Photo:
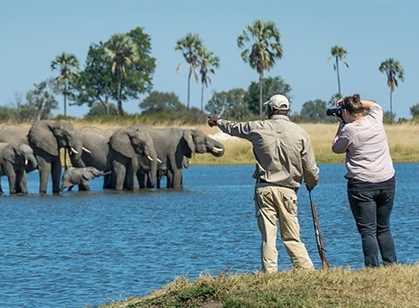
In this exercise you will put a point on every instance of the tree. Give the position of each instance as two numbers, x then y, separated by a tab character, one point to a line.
100	109
272	85
94	84
190	46
414	110
39	102
156	101
339	54
394	71
68	67
314	111
117	70
208	62
122	53
232	103
261	46
389	117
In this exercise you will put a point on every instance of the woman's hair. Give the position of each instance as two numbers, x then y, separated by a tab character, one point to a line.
353	104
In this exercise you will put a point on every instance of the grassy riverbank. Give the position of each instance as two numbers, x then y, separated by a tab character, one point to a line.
396	286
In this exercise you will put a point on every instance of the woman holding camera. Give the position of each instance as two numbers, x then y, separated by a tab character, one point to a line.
370	174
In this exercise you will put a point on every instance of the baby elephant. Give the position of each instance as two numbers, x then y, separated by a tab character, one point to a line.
15	160
80	176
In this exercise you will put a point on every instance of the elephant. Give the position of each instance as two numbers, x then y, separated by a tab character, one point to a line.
46	139
132	152
174	146
15	134
80	176
93	151
14	158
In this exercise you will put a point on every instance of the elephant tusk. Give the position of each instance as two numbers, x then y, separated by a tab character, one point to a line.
217	150
86	150
26	162
74	150
150	158
159	161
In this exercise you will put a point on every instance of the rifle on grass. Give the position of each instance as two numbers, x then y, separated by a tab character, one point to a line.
319	239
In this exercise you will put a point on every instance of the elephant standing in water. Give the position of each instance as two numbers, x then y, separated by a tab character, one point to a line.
93	151
46	139
174	146
14	159
131	152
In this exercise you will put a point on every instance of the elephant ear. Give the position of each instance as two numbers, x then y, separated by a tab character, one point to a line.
121	143
9	153
40	136
189	143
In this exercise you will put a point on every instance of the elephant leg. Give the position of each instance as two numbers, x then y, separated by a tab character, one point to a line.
107	181
44	169
84	186
177	179
118	171
142	179
158	179
129	178
11	176
19	188
131	174
56	176
24	183
169	179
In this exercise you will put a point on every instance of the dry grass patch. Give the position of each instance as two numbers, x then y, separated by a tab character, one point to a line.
396	286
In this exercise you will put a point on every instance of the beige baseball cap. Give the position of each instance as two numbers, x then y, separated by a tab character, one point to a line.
279	102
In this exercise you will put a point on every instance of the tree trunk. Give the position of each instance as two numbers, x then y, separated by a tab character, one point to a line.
391	105
202	98
260	95
120	109
338	74
189	87
65	98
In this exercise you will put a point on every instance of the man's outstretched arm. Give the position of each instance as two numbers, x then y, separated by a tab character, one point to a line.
236	129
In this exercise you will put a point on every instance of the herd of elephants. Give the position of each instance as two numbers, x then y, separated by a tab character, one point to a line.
128	158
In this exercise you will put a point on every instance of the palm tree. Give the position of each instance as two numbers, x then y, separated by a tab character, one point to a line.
394	71
261	46
339	53
190	45
68	67
208	62
122	53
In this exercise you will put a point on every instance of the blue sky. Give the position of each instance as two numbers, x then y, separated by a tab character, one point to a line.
34	32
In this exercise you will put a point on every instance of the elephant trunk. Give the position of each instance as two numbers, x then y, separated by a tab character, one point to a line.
31	162
152	177
216	148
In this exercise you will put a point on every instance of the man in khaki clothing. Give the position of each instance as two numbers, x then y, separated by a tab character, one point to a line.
284	157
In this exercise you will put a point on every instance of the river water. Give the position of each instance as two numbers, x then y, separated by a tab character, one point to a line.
88	248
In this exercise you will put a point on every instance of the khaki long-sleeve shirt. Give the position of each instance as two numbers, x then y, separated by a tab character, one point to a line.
283	151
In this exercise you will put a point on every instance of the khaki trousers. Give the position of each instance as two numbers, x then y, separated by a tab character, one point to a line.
278	206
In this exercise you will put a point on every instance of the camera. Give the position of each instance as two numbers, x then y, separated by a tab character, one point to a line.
336	112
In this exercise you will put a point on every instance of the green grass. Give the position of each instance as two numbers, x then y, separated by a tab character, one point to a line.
396	286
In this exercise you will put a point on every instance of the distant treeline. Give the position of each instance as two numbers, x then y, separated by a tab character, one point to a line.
121	69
